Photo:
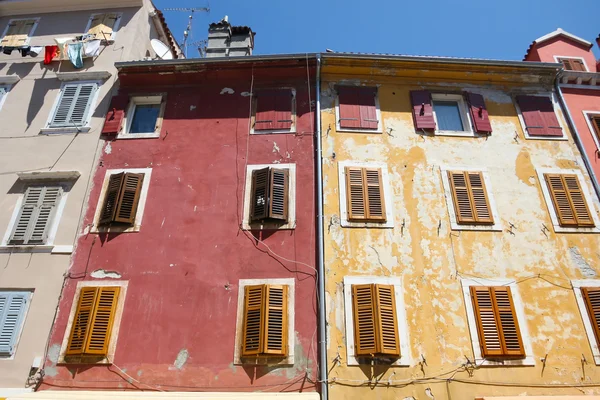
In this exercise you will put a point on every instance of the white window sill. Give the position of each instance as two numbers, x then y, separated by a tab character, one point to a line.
268	226
527	361
40	248
353	224
152	135
464	227
267	132
459	133
64	130
284	361
48	175
528	137
83	76
115	229
359	130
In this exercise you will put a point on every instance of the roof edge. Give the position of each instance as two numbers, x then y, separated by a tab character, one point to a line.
559	32
214	60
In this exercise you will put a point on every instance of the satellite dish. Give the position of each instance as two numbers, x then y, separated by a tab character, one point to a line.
162	50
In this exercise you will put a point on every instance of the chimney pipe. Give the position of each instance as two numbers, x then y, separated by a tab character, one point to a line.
225	40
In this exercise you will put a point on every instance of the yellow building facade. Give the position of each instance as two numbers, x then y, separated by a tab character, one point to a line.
488	281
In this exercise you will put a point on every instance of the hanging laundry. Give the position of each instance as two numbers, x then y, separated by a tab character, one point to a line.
50	53
75	51
62	46
91	48
35	51
8	50
24	50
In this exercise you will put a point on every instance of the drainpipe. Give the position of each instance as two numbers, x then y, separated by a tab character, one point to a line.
320	250
576	137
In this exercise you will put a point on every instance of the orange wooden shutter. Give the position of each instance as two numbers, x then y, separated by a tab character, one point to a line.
355	194
278	194
111	198
129	197
596	124
479	198
82	321
259	194
471	202
253	334
275	322
592	303
364	194
102	321
365	336
374	191
386	322
569	200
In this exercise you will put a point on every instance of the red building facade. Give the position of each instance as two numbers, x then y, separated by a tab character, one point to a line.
175	243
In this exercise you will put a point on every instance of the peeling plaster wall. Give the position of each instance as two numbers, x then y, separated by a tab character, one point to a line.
183	267
431	258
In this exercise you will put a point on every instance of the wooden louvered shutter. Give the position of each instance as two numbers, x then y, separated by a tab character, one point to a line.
365	335
275	320
82	321
12	312
591	296
74	105
355	194
254	316
470	198
36	214
129	197
422	109
479	198
260	194
26	216
596	125
102	321
278	194
479	113
111	199
578	65
386	320
568	200
374	194
497	325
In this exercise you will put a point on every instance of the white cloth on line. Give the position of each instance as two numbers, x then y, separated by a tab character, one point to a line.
91	48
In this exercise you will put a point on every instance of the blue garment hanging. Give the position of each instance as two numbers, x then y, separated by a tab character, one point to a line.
75	52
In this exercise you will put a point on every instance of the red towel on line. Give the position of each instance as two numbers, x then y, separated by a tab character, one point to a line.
50	53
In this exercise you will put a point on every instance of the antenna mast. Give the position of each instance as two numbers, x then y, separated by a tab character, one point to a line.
188	29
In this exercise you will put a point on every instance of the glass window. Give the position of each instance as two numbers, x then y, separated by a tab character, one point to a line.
448	115
144	118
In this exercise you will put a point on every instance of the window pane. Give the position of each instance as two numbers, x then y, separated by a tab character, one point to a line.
448	115
144	118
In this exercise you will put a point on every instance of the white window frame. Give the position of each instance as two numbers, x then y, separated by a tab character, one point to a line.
60	207
291	224
587	114
23	319
113	36
134	101
237	354
557	59
31	32
556	106
403	335
587	323
519	310
387	195
6	91
465	115
267	131
338	128
590	200
96	228
48	129
114	334
455	226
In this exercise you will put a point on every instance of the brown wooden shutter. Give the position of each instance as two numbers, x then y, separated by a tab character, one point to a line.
260	194
275	322
102	321
278	194
365	335
129	198
578	65
479	113
374	191
273	110
386	322
568	200
539	116
596	125
111	198
497	325
254	316
364	193
422	109
591	297
471	202
115	115
357	107
479	198
81	322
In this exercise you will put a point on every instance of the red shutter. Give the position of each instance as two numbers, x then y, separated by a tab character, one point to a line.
273	110
422	106
357	107
115	115
539	116
479	114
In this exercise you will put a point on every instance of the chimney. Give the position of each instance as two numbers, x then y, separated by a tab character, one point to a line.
225	40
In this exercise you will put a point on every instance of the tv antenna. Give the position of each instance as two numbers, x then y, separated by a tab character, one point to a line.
201	46
188	29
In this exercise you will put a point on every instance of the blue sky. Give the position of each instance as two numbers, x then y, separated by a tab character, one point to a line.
500	29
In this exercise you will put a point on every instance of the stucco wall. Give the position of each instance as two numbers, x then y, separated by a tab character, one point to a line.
431	259
183	267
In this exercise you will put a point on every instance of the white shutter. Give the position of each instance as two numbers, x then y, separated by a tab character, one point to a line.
12	311
35	217
74	105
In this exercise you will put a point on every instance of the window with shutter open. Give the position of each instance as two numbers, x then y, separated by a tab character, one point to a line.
357	107
18	32
36	215
596	126
93	322
103	25
12	311
269	194
375	321
121	198
470	198
569	200
265	324
364	194
591	297
273	110
572	64
74	105
497	325
539	116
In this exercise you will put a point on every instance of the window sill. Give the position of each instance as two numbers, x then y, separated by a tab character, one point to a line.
465	227
84	360
359	130
529	137
268	226
522	362
83	76
249	361
115	229
576	229
459	133
40	248
267	132
64	130
153	135
353	224
358	361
